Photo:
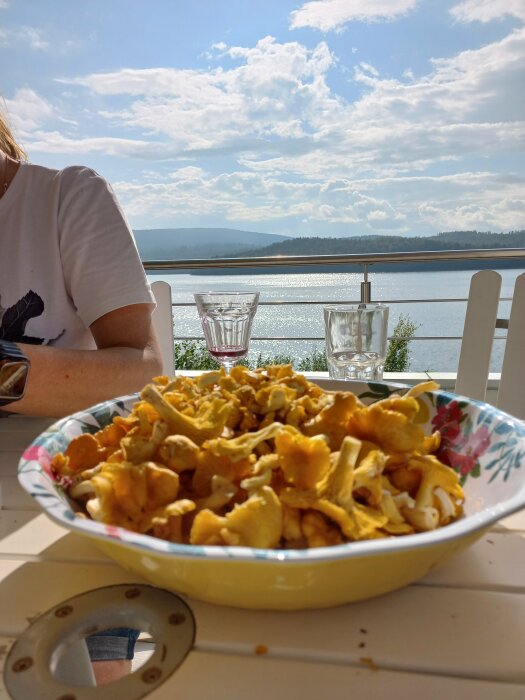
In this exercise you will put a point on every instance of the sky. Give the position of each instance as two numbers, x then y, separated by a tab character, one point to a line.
318	118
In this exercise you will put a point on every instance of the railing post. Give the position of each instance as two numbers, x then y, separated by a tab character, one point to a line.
366	287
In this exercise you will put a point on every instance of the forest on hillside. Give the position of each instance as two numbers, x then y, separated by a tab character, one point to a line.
451	240
366	245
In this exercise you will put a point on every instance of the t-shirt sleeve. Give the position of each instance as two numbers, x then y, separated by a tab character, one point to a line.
101	264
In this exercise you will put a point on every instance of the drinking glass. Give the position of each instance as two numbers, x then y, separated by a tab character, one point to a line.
226	319
356	337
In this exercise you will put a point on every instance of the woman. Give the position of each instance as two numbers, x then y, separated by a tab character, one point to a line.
75	301
73	293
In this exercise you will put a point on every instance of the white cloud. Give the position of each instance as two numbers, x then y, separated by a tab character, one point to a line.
274	111
290	149
487	10
28	111
272	95
328	15
191	172
483	83
29	114
28	36
56	142
486	201
505	214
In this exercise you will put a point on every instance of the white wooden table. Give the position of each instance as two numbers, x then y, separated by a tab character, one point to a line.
459	633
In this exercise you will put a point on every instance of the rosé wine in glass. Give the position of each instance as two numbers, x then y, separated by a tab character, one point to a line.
226	319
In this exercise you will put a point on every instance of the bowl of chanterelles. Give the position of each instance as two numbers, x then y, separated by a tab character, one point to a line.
264	489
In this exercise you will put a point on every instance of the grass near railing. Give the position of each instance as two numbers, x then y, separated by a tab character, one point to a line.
397	354
192	354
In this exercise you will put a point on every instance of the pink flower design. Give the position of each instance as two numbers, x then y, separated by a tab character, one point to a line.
464	455
113	531
44	459
31	454
39	454
447	420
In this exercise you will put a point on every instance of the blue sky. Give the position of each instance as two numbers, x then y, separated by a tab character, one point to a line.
326	118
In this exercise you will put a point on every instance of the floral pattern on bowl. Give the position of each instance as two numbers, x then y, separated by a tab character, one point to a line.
486	447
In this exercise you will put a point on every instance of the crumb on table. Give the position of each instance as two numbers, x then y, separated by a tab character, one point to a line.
369	661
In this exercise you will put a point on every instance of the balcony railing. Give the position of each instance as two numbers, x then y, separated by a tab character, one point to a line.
365	261
350	258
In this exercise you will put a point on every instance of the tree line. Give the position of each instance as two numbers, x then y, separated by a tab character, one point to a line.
450	240
366	245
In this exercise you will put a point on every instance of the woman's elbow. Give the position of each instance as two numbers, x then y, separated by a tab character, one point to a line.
155	364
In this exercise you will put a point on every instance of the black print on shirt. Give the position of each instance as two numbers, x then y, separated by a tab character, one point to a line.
13	320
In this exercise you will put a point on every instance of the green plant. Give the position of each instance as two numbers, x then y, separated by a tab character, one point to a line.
190	354
279	359
315	363
397	356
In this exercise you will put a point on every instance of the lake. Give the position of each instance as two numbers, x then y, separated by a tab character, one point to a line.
444	318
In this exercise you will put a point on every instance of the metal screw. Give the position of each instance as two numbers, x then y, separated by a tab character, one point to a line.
22	664
132	593
64	611
151	675
176	618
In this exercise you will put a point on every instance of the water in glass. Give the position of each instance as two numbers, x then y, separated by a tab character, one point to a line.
356	336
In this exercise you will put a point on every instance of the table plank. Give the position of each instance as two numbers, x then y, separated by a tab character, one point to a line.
13	496
23	425
30	588
489	564
227	676
513	522
431	630
260	678
9	462
32	535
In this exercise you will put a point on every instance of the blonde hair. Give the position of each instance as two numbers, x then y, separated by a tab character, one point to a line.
8	145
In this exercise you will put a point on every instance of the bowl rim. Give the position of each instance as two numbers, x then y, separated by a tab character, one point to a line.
116	535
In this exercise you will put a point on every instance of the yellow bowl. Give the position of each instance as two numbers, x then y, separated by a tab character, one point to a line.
484	444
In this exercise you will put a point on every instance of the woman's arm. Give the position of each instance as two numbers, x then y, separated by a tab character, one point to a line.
62	381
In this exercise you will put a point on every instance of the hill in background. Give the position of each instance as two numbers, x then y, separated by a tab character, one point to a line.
366	245
452	240
187	243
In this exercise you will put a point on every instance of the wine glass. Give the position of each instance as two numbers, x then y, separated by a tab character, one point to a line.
226	319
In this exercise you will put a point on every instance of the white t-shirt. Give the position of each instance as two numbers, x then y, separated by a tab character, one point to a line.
67	257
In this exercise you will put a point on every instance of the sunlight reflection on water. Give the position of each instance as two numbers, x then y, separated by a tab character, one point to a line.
434	318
